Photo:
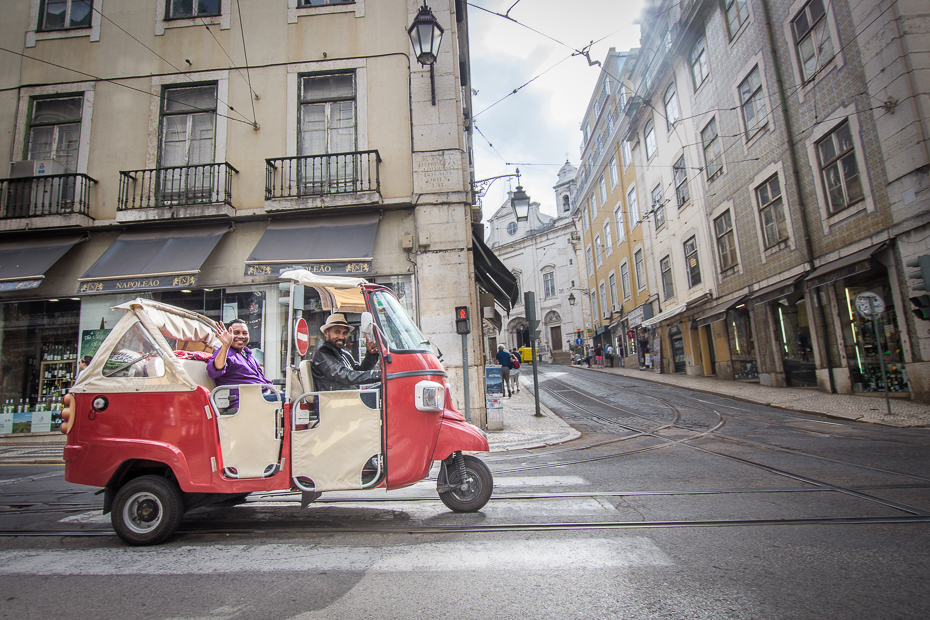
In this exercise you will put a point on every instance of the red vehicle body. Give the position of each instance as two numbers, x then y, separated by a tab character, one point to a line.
159	451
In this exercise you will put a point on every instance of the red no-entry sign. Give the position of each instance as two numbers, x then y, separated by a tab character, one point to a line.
302	336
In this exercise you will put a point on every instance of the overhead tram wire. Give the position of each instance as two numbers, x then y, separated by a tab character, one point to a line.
168	62
116	82
248	74
231	61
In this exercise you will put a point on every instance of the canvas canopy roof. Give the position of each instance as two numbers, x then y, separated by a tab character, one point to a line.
342	293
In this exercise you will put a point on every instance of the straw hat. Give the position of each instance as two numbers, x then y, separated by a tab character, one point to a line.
335	319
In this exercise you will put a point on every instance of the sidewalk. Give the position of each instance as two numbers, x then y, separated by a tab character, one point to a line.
861	408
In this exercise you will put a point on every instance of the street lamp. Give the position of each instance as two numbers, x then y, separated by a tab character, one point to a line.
426	35
519	200
571	299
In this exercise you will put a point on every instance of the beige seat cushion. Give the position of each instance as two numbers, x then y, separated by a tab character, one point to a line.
306	376
198	373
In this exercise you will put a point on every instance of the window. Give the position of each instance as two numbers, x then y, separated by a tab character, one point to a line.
602	190
621	97
614	173
598	253
752	102
584	220
772	211
621	230
327	114
713	154
737	14
135	355
187	140
587	132
185	9
625	280
592	208
658	207
612	284
55	130
65	14
594	308
839	169
640	269
665	266
726	244
549	284
634	208
306	3
682	194
566	204
700	68
603	298
671	105
608	240
650	134
626	153
812	38
512	228
691	260
590	258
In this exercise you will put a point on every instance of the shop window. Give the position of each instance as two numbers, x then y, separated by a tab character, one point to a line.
135	355
640	263
671	106
650	137
55	130
752	102
679	362
549	284
668	287
772	212
865	342
839	170
726	243
737	14
65	14
680	172
186	9
658	207
700	67
742	346
691	260
625	281
812	39
713	153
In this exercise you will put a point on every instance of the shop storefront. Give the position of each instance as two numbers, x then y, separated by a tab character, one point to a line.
679	364
785	306
638	341
742	345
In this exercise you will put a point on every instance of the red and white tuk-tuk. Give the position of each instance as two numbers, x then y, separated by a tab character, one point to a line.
145	422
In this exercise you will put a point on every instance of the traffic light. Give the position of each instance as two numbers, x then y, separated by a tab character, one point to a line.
920	281
462	320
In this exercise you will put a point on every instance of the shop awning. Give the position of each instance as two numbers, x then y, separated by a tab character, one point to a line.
23	263
493	276
152	260
336	245
857	262
665	315
776	291
718	312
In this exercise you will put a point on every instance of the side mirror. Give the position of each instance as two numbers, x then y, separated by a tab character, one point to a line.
367	325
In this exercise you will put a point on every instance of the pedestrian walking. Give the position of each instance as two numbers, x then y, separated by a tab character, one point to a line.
503	358
599	355
610	355
514	371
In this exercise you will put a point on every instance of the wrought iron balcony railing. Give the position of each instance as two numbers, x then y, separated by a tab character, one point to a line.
53	194
321	175
177	186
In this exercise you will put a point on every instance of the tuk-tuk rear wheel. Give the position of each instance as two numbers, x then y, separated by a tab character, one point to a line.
479	484
147	510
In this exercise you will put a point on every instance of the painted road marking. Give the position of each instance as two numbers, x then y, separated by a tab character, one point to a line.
512	555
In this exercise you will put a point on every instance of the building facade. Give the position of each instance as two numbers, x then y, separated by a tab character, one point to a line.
194	159
803	129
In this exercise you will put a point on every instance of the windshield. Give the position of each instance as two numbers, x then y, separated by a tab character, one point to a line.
400	331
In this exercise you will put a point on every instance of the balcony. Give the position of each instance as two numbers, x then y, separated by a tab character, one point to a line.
204	190
47	201
321	181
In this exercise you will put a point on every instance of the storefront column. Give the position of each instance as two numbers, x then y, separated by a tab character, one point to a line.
704	344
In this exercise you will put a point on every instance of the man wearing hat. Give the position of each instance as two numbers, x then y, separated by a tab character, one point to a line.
333	367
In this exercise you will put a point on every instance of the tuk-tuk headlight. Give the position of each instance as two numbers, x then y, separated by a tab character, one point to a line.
430	396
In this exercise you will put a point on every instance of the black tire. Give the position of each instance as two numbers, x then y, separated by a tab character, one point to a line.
147	510
479	484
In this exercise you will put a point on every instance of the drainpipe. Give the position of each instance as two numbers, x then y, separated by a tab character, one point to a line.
792	155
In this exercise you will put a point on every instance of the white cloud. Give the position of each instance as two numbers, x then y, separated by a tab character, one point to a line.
539	124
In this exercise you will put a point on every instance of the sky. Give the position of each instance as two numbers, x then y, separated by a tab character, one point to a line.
537	127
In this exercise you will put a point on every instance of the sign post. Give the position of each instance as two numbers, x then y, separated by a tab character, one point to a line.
529	302
302	336
871	306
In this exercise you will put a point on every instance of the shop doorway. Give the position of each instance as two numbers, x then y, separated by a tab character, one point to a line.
794	334
678	349
711	353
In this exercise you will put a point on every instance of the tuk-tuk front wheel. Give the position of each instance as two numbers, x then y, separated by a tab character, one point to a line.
147	510
472	493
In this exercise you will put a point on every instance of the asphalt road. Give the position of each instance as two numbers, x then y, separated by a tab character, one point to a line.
670	505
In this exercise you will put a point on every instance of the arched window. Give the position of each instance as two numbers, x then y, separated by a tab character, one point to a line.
566	203
650	134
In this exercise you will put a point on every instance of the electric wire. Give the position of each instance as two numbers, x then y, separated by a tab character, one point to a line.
248	74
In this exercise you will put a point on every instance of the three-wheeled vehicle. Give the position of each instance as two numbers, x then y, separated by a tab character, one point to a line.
145	421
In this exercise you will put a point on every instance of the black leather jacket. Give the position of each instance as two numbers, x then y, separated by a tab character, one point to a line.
334	369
